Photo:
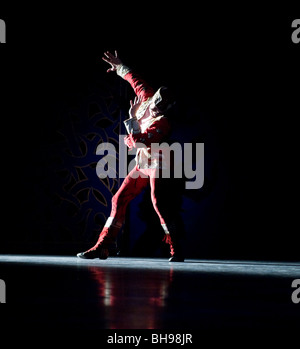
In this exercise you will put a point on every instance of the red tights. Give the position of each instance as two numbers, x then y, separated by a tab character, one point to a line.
132	186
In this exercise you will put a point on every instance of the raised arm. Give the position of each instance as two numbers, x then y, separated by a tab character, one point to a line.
114	61
141	88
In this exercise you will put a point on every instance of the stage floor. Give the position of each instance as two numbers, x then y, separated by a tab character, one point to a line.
143	293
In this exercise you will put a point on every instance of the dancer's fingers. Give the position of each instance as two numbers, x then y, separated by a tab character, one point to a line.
110	55
105	60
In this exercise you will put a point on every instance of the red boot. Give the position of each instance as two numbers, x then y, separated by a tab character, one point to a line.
107	239
175	249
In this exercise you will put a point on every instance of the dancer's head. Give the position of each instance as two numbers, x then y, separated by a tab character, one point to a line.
162	101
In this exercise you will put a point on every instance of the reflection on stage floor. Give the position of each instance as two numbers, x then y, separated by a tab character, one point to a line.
144	293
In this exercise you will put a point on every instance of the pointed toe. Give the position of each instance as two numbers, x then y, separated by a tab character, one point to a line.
176	259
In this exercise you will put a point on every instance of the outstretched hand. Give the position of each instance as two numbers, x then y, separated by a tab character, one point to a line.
134	106
113	60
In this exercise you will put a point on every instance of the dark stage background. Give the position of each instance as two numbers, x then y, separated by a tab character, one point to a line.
236	84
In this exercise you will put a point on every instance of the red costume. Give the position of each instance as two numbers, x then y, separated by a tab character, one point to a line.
141	134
